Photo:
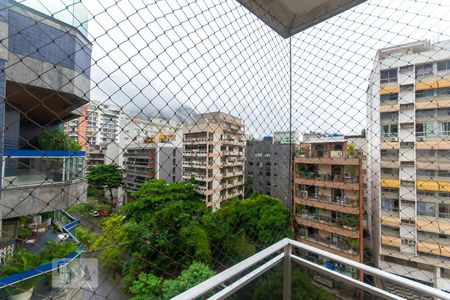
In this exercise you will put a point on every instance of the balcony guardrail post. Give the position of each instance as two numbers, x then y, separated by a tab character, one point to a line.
287	272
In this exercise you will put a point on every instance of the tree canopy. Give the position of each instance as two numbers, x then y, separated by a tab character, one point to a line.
105	176
167	240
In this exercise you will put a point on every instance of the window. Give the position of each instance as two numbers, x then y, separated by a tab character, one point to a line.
423	70
425	172
258	154
425	93
389	171
445	128
389	116
425	129
444	210
425	193
266	154
425	153
389	130
443	91
389	97
444	173
443	65
443	112
389	205
389	75
426	113
444	194
426	208
444	153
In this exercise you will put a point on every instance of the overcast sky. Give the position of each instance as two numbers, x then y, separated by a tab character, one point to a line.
215	55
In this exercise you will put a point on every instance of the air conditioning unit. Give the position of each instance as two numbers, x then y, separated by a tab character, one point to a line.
393	139
408	241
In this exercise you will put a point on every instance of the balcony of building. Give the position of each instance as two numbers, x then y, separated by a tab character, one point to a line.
340	204
332	157
37	181
327	180
328	269
332	222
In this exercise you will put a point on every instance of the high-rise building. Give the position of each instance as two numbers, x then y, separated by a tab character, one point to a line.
98	124
328	195
267	168
145	161
213	155
409	160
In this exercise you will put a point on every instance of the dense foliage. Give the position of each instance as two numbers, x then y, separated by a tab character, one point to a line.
149	286
168	231
57	140
105	177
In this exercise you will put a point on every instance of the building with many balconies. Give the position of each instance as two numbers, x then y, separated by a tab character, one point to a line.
328	195
213	156
409	160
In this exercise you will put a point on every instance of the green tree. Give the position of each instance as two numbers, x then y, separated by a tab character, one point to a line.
57	140
110	245
150	286
242	227
155	194
105	177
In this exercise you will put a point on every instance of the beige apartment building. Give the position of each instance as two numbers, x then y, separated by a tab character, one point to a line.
213	155
409	161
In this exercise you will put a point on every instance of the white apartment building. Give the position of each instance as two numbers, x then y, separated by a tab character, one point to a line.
102	123
409	161
213	155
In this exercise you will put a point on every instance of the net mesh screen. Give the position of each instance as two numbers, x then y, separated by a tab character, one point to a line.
148	145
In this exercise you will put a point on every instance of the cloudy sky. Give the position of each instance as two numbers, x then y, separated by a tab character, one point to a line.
153	56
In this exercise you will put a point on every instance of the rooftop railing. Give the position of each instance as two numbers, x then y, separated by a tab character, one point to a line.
290	253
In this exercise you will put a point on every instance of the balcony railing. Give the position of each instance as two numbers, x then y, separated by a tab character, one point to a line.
349	225
438	133
328	154
326	199
36	167
288	251
327	177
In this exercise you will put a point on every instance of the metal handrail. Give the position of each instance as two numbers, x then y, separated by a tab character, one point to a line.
283	252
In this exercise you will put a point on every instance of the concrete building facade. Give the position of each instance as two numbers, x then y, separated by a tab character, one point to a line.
213	156
268	168
328	195
143	162
409	160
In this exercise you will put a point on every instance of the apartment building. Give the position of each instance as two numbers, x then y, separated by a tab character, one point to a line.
328	195
146	161
138	130
267	168
98	124
213	155
409	160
